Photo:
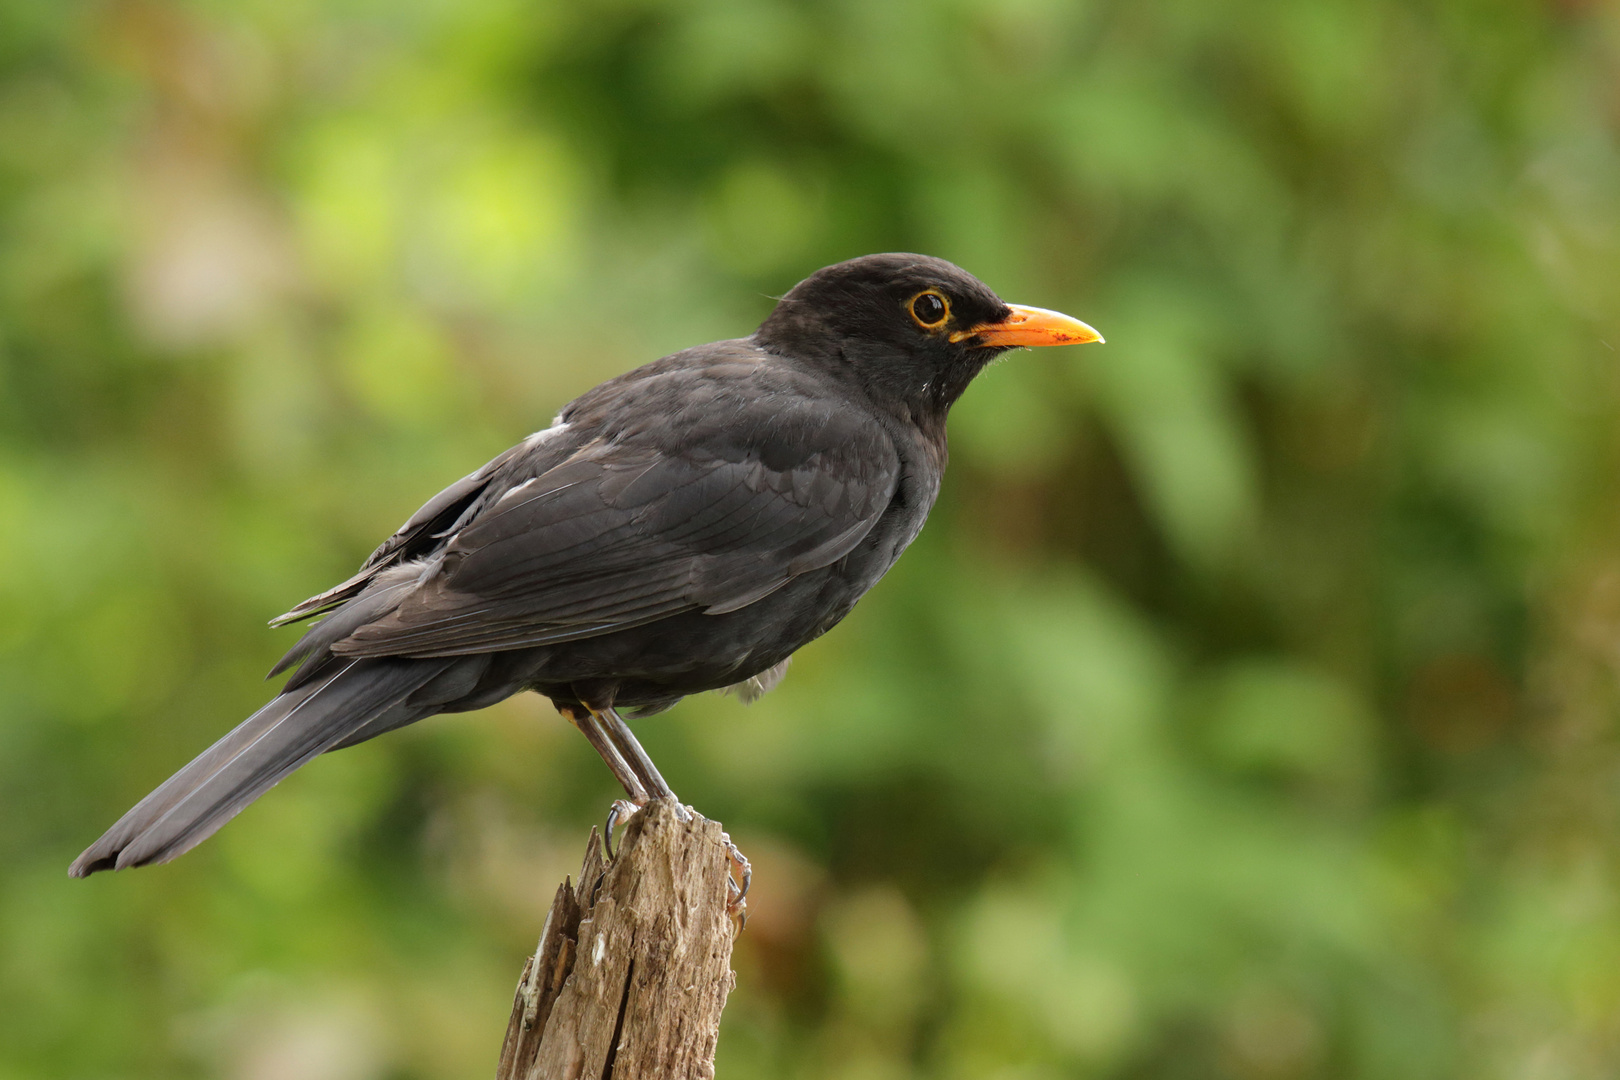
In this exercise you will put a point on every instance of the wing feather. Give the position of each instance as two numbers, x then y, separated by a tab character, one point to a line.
619	536
426	529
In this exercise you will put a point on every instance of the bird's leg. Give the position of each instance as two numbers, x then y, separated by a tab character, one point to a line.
591	726
659	788
626	743
625	739
596	732
642	781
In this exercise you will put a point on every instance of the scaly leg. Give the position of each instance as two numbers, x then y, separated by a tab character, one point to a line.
630	751
656	784
626	741
591	726
624	750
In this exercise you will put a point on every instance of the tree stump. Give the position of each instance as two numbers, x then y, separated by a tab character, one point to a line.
634	963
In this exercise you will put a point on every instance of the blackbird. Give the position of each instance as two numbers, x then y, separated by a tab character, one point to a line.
680	528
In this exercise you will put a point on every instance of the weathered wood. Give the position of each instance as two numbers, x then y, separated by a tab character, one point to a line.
634	963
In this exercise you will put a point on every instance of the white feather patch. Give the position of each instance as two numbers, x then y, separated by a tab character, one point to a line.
545	435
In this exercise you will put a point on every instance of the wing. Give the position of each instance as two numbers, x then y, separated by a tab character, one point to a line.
624	533
426	529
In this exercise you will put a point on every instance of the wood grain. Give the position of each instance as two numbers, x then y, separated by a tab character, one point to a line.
634	963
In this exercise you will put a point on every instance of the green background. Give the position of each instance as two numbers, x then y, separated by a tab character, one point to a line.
1247	709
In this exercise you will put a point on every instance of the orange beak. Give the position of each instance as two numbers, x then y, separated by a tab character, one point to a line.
1028	326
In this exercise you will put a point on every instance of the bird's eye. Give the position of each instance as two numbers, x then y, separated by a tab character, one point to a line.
929	309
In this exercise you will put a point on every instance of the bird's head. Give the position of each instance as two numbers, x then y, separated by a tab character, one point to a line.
915	330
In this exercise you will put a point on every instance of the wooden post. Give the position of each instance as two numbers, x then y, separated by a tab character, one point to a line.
634	963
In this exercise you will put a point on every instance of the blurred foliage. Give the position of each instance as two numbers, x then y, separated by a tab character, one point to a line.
1247	710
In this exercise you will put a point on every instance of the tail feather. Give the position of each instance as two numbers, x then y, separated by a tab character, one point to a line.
311	719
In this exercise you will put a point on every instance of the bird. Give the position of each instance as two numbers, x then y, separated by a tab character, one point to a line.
683	527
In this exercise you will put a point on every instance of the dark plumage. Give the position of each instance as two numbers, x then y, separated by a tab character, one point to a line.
683	527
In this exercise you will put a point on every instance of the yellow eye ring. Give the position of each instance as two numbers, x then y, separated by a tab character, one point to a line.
930	309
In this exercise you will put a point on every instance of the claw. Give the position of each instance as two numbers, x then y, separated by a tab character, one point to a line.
737	904
621	810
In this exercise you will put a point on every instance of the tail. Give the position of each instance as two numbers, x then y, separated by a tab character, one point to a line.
320	715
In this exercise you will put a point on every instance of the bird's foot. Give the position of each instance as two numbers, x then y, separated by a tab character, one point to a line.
737	886
740	873
621	810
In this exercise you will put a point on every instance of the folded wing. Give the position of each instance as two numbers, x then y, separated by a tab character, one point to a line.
621	535
421	534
